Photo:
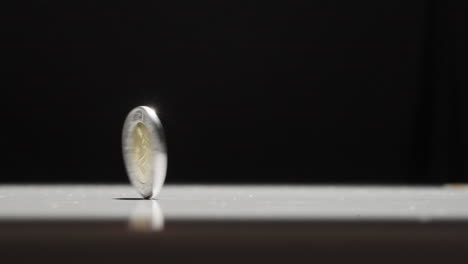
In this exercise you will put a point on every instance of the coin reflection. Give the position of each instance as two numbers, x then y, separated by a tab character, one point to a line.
147	216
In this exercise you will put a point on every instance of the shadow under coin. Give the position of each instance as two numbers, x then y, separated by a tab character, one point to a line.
131	199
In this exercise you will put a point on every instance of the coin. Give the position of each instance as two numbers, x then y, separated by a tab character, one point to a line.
144	151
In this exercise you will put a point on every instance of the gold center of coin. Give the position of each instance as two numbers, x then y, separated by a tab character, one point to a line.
143	156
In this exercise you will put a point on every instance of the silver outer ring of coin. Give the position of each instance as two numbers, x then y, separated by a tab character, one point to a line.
146	116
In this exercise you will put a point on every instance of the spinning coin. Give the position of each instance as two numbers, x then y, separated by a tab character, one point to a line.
144	151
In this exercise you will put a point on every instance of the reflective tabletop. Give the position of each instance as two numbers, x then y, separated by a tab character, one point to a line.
304	220
235	202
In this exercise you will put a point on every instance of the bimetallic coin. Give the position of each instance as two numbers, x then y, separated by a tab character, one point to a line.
144	151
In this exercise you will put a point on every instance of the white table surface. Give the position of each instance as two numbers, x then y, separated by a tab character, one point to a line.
234	202
233	224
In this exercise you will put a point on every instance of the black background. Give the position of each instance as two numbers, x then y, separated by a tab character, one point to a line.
323	91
